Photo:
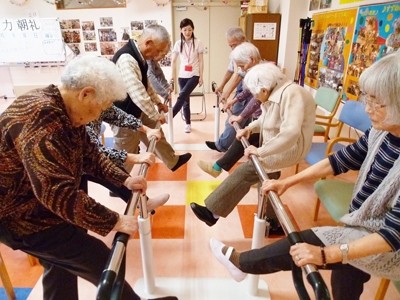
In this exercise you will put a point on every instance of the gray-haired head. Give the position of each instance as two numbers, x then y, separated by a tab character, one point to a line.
235	33
265	75
97	72
246	53
381	80
157	33
235	36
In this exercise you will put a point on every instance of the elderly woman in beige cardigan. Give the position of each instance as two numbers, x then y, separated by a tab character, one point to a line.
286	127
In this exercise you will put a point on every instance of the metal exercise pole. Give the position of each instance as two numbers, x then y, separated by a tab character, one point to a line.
170	116
313	276
112	279
216	112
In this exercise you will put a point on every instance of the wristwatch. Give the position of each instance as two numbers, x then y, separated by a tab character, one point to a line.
344	248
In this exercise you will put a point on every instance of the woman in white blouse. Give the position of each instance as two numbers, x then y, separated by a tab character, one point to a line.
190	51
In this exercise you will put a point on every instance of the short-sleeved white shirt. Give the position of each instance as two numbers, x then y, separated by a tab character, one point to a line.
189	56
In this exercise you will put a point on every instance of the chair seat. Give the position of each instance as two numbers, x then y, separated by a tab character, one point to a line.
335	195
319	129
318	152
197	94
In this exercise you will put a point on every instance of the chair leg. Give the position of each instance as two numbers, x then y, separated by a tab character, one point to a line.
316	209
383	286
5	278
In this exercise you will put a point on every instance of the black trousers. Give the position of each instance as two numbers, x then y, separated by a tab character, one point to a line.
236	152
66	252
347	281
123	192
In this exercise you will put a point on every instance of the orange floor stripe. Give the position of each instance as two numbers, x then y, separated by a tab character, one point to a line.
159	171
168	222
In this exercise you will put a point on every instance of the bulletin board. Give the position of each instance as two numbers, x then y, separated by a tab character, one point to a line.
31	40
377	33
330	47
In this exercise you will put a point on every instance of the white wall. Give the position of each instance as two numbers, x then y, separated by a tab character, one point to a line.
135	10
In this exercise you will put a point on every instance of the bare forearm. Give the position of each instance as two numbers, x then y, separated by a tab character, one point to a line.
319	170
366	246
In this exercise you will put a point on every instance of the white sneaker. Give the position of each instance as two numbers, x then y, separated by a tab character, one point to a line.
188	128
216	249
157	201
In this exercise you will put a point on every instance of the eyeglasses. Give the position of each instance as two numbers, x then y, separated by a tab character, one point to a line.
371	101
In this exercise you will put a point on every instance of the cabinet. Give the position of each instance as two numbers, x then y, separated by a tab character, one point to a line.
263	31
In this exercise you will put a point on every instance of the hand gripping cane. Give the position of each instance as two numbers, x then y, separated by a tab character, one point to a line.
313	276
112	279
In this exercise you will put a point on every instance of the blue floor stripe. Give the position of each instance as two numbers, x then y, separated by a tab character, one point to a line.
20	293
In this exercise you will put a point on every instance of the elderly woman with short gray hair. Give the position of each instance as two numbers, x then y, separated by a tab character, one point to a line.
286	127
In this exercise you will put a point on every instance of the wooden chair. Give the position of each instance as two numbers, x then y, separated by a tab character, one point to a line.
383	286
5	279
328	100
335	192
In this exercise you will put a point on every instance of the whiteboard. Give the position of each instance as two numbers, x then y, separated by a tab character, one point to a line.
31	40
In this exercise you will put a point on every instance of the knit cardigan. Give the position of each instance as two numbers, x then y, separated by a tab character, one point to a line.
370	217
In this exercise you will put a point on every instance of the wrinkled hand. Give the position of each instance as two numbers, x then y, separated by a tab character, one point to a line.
250	150
224	97
135	183
234	119
200	81
126	224
277	186
303	253
146	157
242	133
162	107
162	119
153	133
219	90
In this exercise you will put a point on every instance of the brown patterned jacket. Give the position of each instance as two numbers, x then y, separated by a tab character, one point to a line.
42	158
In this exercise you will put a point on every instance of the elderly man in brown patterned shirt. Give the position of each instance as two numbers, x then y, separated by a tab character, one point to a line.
44	150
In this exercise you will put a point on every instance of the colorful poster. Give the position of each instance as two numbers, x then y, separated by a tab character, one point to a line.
330	47
377	34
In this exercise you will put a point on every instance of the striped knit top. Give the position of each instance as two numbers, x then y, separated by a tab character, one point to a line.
352	157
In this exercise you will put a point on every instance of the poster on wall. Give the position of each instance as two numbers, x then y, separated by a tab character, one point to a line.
330	47
377	33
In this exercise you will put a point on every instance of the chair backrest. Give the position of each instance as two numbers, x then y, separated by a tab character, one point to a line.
353	114
327	98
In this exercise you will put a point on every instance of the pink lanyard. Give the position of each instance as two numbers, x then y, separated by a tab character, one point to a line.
190	50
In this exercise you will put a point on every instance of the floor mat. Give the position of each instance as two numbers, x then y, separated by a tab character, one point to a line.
246	215
168	222
197	191
159	172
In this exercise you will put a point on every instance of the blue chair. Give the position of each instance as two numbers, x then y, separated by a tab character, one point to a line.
353	115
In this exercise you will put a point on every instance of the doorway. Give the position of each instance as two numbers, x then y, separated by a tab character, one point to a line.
211	24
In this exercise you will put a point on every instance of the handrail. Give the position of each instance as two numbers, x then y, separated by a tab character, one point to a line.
111	281
313	276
